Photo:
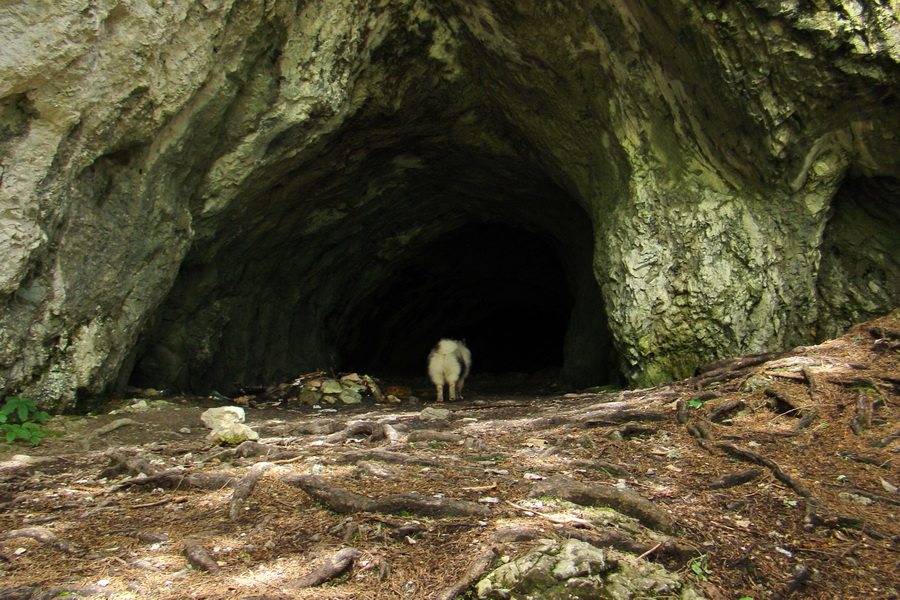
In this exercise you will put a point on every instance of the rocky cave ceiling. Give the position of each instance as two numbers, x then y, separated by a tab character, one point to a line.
206	194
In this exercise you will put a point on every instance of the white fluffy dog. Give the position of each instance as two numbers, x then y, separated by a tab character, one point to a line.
448	364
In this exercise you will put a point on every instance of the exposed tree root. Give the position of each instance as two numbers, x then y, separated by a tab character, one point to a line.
27	592
777	471
799	576
199	558
344	501
864	413
373	469
625	501
886	440
44	536
148	474
700	430
333	567
740	362
612	538
244	487
735	479
808	414
723	410
175	479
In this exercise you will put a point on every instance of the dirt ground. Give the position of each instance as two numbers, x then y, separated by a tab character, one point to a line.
85	517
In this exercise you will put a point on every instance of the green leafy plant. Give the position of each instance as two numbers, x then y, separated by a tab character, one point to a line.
21	420
695	402
698	566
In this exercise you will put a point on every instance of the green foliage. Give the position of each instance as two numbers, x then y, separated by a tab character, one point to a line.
21	420
695	403
698	566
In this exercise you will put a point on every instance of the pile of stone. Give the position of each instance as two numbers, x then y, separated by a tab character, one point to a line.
227	424
352	388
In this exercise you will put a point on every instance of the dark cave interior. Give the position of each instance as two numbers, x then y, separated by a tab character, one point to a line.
501	288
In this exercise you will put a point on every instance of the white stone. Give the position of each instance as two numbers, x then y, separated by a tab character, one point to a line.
433	413
222	416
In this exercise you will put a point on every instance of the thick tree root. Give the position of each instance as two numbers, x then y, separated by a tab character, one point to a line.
44	536
777	471
344	501
387	456
864	413
148	474
734	479
624	501
612	538
177	479
725	409
28	592
885	441
199	558
799	577
336	564
244	487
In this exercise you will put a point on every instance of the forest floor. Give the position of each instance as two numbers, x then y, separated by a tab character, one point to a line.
382	501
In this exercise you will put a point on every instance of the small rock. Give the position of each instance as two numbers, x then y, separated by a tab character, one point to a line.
756	382
185	430
401	392
232	434
349	396
855	499
222	416
433	413
310	395
332	386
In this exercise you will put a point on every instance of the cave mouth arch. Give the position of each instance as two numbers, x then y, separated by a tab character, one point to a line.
365	268
503	289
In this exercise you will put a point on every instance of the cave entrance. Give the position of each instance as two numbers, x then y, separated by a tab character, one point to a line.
365	269
503	289
859	275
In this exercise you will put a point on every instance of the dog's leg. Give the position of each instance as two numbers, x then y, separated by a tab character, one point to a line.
452	387
459	388
440	391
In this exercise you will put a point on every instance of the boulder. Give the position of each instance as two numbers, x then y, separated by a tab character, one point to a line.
576	570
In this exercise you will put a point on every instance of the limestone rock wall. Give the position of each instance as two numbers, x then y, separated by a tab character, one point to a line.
192	192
